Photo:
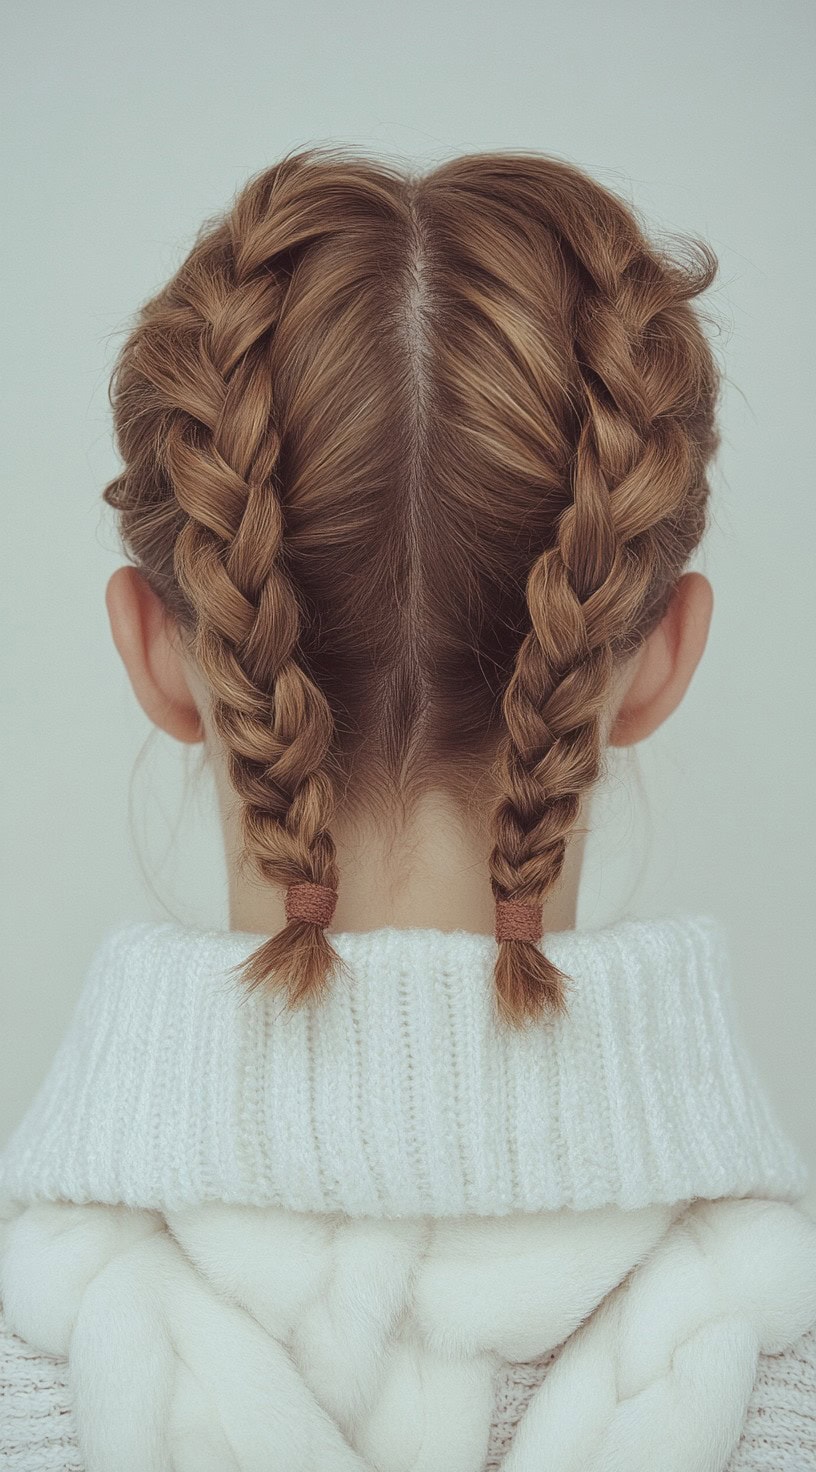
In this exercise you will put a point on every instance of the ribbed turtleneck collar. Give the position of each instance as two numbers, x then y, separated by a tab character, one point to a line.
399	1094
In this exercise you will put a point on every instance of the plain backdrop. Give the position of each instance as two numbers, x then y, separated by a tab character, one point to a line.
126	126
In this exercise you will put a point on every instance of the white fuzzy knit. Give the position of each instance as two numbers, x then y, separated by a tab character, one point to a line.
38	1433
184	1228
220	1339
400	1094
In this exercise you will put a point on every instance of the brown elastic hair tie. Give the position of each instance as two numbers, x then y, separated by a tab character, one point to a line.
312	902
518	920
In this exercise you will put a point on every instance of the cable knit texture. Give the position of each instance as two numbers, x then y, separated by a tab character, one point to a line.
613	1272
38	1434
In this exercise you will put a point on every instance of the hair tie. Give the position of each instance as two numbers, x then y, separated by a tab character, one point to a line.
518	920
312	902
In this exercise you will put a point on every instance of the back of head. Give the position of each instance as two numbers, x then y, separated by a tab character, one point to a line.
414	462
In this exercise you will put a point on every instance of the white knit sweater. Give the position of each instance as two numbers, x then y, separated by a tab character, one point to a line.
390	1234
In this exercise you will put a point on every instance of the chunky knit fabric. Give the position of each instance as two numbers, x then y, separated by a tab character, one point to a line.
388	1234
779	1434
38	1434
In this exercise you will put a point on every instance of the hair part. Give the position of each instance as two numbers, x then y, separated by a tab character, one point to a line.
414	460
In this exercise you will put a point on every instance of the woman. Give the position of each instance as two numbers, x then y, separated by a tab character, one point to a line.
402	1170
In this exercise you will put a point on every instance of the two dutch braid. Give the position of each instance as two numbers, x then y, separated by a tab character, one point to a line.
620	426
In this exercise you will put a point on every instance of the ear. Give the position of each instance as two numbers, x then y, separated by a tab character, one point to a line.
664	666
142	632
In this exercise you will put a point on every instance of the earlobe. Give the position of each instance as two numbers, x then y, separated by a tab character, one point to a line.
666	663
142	633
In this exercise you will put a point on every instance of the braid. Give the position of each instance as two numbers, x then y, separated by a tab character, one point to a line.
588	595
220	450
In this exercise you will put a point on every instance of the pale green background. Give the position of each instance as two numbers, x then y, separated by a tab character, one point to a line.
126	126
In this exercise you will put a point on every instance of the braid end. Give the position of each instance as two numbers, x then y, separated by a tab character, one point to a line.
528	985
299	960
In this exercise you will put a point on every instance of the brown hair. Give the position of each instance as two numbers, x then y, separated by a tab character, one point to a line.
413	461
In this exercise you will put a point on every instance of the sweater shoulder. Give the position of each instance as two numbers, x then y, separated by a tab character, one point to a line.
780	1427
37	1431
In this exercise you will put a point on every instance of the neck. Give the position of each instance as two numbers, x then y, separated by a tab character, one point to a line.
431	872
